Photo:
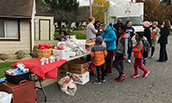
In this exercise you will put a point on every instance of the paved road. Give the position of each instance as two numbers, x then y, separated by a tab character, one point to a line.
156	88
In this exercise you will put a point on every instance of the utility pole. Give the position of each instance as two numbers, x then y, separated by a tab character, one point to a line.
90	9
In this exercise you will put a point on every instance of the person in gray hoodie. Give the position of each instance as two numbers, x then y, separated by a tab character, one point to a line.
91	31
121	53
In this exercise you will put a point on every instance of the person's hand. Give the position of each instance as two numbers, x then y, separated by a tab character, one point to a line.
100	29
125	58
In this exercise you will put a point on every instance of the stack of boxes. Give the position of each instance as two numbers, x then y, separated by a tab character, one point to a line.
77	70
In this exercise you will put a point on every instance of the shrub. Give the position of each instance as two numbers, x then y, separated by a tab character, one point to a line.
35	51
20	54
3	56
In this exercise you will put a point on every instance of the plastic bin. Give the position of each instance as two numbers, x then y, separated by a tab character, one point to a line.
64	54
16	79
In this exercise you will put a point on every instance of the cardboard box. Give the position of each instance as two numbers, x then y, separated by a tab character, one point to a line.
79	78
78	66
62	71
61	74
64	67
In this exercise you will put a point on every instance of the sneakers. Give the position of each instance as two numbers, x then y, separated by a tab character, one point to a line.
96	82
103	80
135	75
121	78
144	62
108	74
129	61
117	77
151	57
145	74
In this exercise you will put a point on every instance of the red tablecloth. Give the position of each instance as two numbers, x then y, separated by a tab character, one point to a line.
43	71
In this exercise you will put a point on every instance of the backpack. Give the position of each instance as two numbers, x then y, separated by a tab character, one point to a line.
146	47
130	43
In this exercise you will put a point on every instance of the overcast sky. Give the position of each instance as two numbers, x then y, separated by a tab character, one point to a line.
86	2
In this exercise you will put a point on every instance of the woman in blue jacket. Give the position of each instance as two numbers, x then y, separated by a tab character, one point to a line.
109	37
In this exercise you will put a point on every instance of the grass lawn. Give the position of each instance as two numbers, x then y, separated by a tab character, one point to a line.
5	66
78	34
170	32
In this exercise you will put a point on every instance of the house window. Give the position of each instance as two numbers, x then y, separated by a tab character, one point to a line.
9	29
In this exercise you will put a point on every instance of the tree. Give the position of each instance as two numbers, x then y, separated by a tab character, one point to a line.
139	0
167	1
64	10
39	1
168	13
42	8
98	7
154	10
83	15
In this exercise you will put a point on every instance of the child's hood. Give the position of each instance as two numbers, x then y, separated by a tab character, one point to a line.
99	40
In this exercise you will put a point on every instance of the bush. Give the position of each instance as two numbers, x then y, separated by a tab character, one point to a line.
3	56
20	54
35	51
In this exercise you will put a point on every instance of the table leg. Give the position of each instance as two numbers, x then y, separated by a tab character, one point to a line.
42	90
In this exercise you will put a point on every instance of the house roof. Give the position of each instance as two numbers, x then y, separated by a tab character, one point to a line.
16	8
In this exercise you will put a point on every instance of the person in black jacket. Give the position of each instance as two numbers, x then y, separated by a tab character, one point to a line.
147	34
119	23
163	40
117	26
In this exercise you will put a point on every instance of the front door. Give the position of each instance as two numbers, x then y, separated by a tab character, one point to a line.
44	30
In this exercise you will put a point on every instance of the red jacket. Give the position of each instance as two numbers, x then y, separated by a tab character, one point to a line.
138	49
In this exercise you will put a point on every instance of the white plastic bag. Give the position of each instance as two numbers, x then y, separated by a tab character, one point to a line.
67	85
5	97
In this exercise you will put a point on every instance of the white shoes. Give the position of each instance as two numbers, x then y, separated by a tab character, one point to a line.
129	61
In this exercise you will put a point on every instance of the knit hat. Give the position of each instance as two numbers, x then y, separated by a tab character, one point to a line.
146	24
155	22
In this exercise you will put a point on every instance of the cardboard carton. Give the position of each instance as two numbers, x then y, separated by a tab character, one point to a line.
62	71
79	78
78	66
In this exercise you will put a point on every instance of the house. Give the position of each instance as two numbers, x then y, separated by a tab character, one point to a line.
44	27
20	26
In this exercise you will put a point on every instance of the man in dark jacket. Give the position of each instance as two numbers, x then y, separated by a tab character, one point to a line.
116	26
119	23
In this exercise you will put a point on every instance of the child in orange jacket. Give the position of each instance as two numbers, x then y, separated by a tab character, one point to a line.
138	51
98	53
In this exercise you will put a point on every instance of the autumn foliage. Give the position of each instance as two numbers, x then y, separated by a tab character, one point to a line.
154	10
168	12
98	7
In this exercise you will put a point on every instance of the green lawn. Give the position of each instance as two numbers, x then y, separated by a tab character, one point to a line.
170	32
5	66
78	34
